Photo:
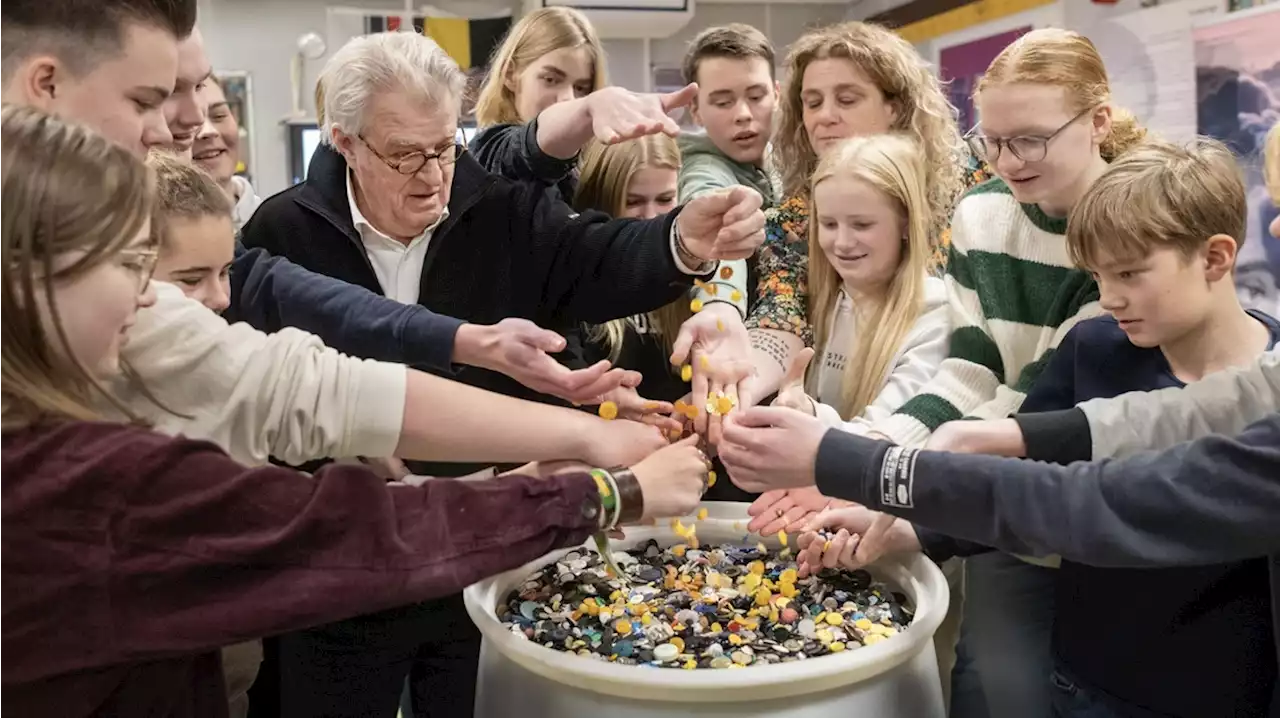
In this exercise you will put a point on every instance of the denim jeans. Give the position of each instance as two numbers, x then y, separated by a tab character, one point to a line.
1005	639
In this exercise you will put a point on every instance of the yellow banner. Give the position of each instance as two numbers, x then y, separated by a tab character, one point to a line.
966	16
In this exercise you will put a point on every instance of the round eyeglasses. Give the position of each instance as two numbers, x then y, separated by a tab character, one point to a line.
1028	148
413	162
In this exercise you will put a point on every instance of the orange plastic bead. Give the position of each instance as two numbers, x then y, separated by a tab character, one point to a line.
608	410
726	272
724	405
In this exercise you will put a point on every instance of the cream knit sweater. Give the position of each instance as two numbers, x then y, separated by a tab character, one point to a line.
1012	294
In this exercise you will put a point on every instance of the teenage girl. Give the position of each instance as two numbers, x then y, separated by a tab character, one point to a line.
847	80
638	178
545	98
132	557
880	321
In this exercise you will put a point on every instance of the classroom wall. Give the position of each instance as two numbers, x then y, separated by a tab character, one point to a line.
259	36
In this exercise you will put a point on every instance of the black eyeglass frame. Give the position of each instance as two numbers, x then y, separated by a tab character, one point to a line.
978	143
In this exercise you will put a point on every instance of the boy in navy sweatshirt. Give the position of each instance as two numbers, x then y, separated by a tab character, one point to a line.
1160	231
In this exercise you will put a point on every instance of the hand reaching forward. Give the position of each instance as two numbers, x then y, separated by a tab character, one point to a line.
715	345
845	548
521	350
618	114
673	479
788	509
771	448
633	407
725	224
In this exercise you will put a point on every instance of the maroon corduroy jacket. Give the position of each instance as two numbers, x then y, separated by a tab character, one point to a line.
130	558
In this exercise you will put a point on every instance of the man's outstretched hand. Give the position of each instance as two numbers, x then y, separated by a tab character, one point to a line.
522	350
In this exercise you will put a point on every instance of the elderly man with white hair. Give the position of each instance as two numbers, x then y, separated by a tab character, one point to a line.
392	204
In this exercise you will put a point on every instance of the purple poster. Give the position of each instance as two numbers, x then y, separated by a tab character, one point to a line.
961	66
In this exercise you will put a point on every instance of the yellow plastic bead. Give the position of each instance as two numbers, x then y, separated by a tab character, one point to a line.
724	405
736	296
756	567
646	619
678	642
676	434
716	628
788	576
678	550
836	646
872	639
695	306
608	410
706	363
622	626
691	411
702	514
690	665
686	372
834	619
711	481
782	537
735	639
726	272
863	624
824	636
763	596
751	582
719	325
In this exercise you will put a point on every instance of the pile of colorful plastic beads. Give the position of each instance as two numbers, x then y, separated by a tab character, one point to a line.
725	606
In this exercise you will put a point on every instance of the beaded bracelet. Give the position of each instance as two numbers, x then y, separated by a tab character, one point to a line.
610	501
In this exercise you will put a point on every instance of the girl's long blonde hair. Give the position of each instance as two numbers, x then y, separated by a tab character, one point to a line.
542	31
606	172
1065	58
66	191
905	80
895	166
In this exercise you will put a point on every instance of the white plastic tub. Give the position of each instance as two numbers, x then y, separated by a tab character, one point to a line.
897	677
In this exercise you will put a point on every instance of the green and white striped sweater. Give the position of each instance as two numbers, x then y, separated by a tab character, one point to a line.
1012	294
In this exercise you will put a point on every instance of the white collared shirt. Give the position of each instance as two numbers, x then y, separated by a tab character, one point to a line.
398	266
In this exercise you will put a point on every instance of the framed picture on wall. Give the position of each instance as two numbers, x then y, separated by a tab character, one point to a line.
238	88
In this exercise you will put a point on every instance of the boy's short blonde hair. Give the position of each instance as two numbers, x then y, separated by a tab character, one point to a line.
186	191
1159	194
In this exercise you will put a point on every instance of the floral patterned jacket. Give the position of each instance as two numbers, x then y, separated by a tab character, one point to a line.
782	293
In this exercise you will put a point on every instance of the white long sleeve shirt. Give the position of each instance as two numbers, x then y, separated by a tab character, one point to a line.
917	360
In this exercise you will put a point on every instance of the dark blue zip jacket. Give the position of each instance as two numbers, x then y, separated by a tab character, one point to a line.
270	293
1213	500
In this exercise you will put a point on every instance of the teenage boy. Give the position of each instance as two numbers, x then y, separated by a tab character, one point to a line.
1159	232
737	94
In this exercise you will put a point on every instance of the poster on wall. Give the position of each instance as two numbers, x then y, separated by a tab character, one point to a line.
471	43
961	65
1150	59
1238	100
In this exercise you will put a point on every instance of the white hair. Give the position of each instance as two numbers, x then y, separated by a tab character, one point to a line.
403	62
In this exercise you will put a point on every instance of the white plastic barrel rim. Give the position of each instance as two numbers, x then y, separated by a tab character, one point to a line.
893	675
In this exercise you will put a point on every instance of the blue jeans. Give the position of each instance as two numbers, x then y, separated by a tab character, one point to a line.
1005	639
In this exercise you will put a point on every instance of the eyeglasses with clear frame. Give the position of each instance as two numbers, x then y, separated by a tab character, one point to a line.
413	162
1028	148
140	262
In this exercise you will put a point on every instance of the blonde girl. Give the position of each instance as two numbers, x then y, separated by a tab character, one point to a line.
551	56
638	178
847	80
109	514
880	321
